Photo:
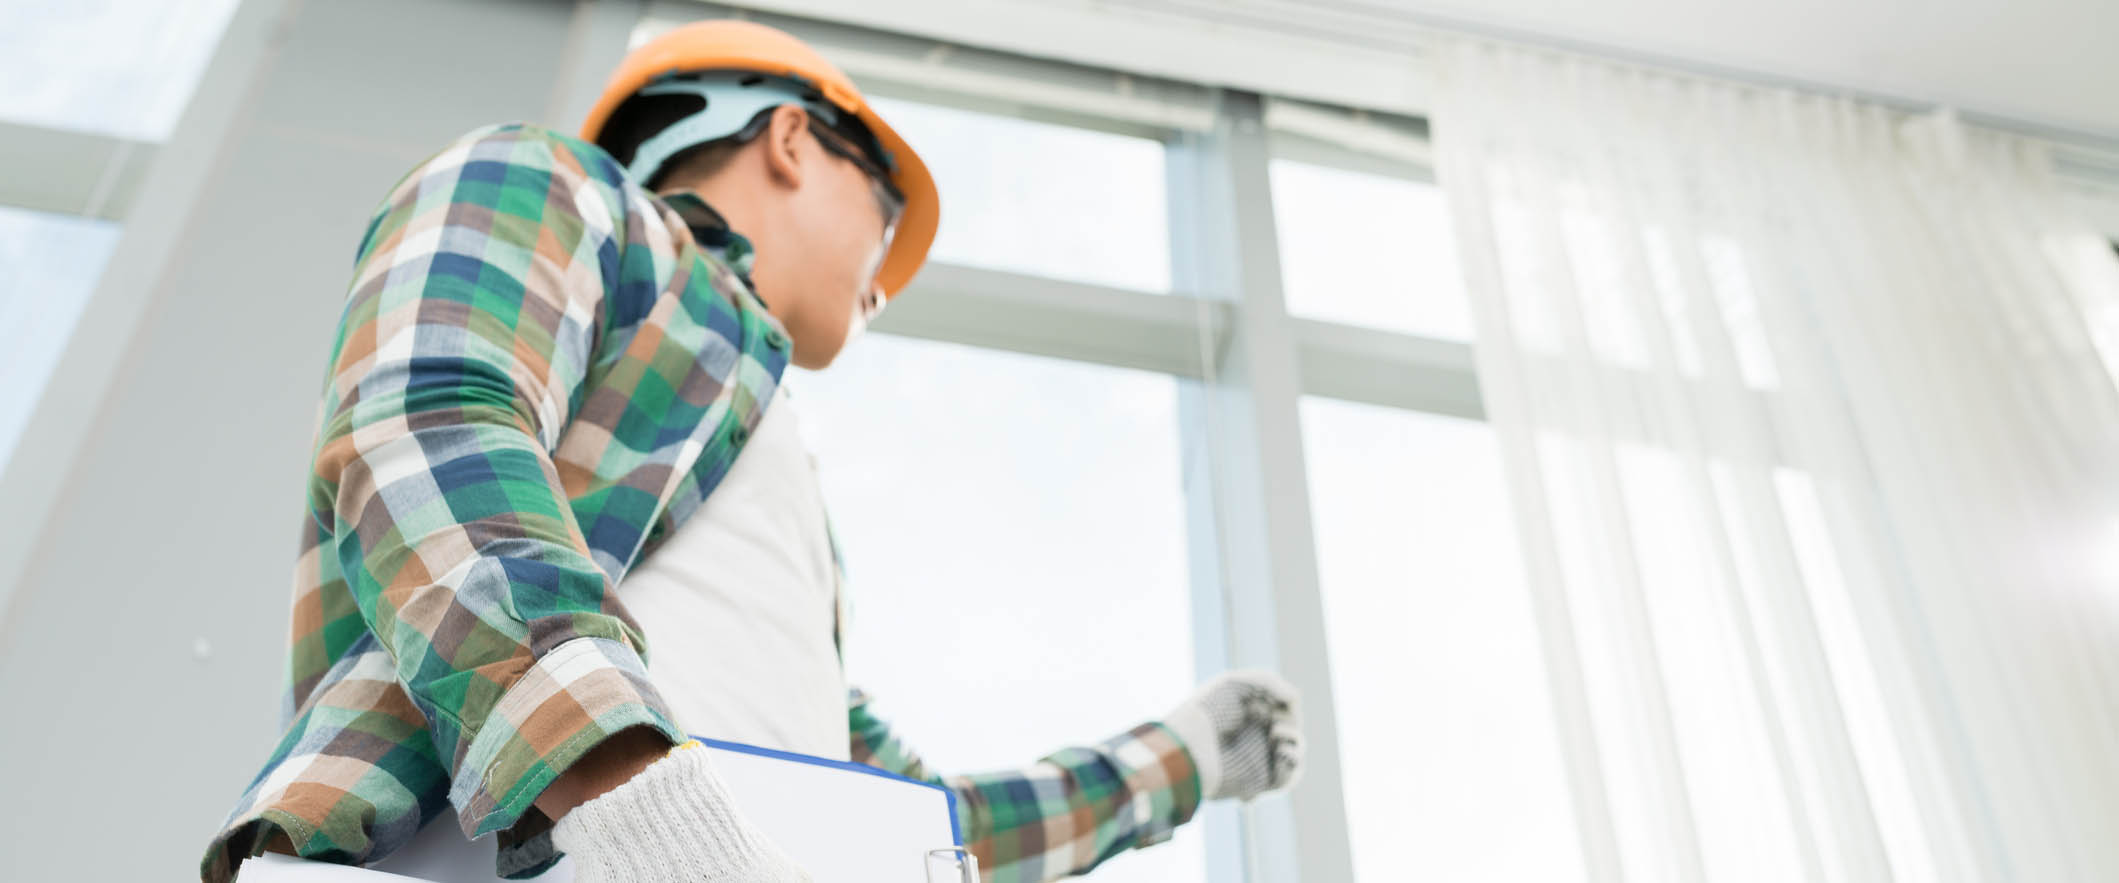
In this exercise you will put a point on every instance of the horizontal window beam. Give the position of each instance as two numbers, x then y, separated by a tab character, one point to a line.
1388	368
1054	317
1155	332
72	173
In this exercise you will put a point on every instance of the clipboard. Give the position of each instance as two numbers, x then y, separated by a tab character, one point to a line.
843	822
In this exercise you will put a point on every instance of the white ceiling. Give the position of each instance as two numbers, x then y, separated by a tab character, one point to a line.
2044	62
2050	64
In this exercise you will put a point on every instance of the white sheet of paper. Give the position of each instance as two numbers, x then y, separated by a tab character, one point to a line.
843	826
272	867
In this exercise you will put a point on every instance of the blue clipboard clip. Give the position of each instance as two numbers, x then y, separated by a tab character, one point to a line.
956	863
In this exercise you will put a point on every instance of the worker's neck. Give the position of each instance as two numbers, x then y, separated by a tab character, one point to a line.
749	212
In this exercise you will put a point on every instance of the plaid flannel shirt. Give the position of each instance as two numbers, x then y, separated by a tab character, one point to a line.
538	375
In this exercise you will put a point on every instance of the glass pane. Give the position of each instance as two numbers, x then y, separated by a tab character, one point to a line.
1014	533
48	267
1368	249
119	67
1040	198
1451	757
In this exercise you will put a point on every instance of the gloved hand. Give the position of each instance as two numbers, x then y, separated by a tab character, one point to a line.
1244	731
671	823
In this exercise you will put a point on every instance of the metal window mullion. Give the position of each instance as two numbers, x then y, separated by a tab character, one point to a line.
1255	585
1019	312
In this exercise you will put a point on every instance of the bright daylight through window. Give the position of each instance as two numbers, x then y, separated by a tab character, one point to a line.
1014	534
1367	249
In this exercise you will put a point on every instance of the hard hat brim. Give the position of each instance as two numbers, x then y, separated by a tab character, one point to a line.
742	45
922	215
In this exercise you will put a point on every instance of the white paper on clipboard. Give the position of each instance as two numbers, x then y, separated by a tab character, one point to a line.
842	822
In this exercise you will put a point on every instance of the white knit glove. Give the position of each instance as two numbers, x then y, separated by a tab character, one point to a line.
671	823
1244	732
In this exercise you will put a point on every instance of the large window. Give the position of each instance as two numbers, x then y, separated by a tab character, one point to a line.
48	266
1014	532
1451	759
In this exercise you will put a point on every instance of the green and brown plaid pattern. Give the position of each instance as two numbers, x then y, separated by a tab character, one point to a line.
1061	816
538	372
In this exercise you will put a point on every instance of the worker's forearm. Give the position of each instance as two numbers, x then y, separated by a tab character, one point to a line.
608	765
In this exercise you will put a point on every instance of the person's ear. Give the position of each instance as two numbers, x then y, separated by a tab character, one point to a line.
783	139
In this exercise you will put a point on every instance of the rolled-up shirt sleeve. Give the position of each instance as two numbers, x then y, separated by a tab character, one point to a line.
1060	816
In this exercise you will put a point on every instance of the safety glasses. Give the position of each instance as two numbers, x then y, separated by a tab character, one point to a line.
888	199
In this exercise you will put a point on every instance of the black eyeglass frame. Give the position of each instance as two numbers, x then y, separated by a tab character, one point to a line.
887	194
888	197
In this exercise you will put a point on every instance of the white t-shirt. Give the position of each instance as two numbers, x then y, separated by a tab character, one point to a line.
738	605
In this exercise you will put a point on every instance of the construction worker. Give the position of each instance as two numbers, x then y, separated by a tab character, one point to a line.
526	467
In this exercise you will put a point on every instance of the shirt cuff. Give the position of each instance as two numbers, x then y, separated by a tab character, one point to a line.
1163	781
1196	732
577	695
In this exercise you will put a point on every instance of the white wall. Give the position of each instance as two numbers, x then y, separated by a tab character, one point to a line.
176	491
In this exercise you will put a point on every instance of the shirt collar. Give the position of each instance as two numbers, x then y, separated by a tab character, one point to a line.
712	232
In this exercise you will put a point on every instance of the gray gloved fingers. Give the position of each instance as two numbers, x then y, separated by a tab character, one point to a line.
1286	742
1249	722
1284	732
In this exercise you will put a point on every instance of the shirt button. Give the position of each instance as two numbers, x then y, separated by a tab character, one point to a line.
774	337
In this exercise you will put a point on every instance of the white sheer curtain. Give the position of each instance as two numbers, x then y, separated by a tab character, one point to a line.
1816	463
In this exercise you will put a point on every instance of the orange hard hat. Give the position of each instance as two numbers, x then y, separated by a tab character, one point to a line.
729	44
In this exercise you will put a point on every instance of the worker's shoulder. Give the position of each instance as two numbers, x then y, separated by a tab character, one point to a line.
518	168
529	146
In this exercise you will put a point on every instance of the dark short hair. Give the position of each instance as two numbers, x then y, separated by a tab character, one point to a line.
644	116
